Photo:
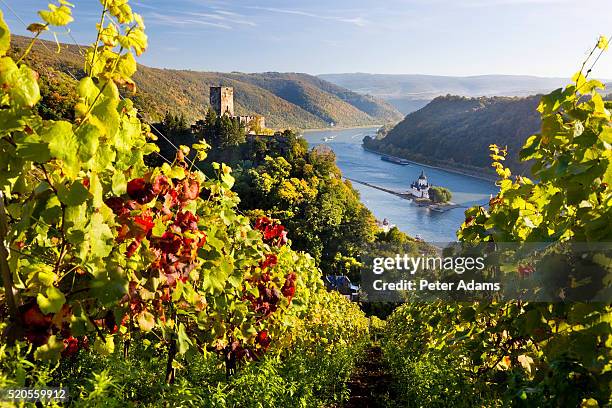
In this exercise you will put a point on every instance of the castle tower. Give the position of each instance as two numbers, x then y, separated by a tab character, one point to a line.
222	100
420	188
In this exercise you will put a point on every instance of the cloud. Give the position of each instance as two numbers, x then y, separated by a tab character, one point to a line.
358	21
183	20
225	16
216	18
493	3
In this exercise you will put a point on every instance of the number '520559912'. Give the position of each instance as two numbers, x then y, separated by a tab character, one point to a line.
33	394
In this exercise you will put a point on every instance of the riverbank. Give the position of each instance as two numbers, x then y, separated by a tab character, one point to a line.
450	169
331	129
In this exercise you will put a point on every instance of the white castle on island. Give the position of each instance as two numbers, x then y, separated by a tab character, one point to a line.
420	188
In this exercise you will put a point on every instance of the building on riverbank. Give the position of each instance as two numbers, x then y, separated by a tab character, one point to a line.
420	188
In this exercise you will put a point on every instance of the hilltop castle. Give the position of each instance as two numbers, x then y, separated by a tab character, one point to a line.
222	101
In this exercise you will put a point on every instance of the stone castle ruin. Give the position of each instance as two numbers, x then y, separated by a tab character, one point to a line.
222	101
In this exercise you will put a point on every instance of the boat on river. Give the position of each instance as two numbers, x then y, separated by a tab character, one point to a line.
395	160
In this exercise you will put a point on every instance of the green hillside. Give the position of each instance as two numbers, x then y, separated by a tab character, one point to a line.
455	131
287	100
320	97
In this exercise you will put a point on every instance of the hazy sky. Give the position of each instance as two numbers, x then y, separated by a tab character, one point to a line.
439	37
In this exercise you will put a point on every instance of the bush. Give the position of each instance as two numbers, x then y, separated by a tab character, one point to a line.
440	194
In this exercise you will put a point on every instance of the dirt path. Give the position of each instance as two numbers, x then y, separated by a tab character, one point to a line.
370	385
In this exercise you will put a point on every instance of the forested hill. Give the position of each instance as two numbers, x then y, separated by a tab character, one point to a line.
455	131
287	100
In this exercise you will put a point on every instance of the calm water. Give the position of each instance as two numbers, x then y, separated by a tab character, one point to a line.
359	164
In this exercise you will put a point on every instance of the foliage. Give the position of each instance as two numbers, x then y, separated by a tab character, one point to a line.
311	104
454	132
175	128
222	132
519	353
107	254
303	188
312	373
440	194
324	100
429	369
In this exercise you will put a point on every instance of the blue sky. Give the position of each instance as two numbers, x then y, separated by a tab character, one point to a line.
439	37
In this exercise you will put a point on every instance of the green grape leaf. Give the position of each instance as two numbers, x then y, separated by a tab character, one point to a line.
104	347
109	284
57	16
104	158
126	66
136	39
76	195
88	137
606	135
53	302
33	150
105	116
100	237
97	190
214	279
20	83
184	342
51	351
119	183
88	90
5	36
63	145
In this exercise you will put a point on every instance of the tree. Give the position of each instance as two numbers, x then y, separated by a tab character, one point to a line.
440	194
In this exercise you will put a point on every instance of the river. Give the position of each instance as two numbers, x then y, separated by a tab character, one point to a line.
358	164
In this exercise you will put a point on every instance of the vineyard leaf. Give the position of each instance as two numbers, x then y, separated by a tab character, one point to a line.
100	236
119	183
146	321
136	39
88	138
33	150
57	16
50	351
63	145
53	302
606	135
5	36
88	90
96	190
110	284
105	347
76	195
104	158
126	65
19	82
184	342
37	28
215	278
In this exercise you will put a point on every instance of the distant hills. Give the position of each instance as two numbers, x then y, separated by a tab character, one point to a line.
455	132
409	93
287	100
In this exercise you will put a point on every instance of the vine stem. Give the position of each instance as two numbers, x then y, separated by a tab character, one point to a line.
31	45
7	277
95	51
